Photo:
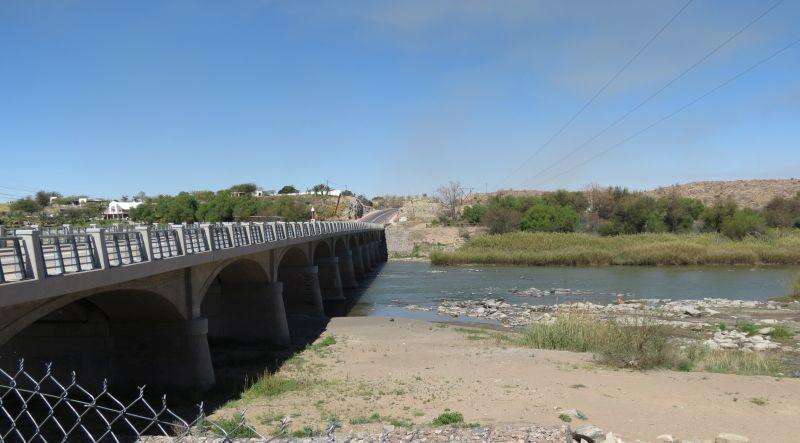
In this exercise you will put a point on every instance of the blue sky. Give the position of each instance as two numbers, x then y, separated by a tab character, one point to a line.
111	98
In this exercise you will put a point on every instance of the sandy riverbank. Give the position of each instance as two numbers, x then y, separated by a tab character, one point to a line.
409	371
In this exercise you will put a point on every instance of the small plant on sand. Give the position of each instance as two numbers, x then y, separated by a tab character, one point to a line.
231	427
306	432
565	418
448	417
747	327
272	385
781	332
374	418
760	401
400	422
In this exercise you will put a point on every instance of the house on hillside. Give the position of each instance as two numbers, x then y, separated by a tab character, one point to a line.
119	210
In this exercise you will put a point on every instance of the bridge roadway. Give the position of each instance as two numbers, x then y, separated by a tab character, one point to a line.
139	306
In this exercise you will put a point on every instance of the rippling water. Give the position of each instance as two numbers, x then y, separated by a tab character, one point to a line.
402	283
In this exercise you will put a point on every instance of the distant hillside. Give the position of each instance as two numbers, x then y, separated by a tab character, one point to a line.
750	193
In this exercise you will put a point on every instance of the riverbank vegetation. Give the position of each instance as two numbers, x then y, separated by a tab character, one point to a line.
618	211
614	226
774	247
644	345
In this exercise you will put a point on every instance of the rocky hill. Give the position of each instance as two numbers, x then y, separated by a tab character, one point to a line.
750	193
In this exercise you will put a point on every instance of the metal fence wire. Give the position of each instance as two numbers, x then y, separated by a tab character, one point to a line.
45	409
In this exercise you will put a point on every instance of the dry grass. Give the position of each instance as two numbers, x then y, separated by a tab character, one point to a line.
779	247
642	345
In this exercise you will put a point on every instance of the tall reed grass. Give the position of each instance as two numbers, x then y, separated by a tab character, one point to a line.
778	247
642	344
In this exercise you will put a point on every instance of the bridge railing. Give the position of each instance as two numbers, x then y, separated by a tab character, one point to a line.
14	262
125	248
68	253
29	254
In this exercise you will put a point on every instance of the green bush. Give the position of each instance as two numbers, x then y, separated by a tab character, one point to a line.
550	218
26	205
448	417
473	214
743	223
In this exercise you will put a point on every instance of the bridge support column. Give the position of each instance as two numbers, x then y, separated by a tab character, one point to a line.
330	281
347	270
164	356
358	263
301	290
366	258
248	312
376	253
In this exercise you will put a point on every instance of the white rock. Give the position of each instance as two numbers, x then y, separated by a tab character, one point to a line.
766	331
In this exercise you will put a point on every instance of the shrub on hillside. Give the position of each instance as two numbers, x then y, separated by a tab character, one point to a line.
550	218
27	205
500	220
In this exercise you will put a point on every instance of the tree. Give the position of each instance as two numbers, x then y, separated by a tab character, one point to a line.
140	196
288	189
550	218
321	189
500	220
473	214
783	212
744	222
450	195
244	188
27	205
715	216
43	197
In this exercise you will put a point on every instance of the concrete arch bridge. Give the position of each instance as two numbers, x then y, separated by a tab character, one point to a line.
139	306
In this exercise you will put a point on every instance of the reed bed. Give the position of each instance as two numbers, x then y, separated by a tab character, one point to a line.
643	344
778	247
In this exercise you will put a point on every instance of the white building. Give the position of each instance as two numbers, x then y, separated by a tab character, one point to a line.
119	210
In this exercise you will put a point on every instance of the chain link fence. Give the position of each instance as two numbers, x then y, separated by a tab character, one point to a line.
46	409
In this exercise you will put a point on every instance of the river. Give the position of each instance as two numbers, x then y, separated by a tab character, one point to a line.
403	283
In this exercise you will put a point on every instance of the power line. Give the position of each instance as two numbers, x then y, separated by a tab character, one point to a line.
599	91
677	111
656	93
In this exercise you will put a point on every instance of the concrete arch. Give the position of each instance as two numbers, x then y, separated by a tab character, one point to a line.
129	336
241	304
292	256
321	250
248	265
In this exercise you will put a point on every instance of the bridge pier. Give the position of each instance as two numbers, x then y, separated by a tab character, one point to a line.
301	290
171	356
366	258
247	312
330	281
347	271
358	263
